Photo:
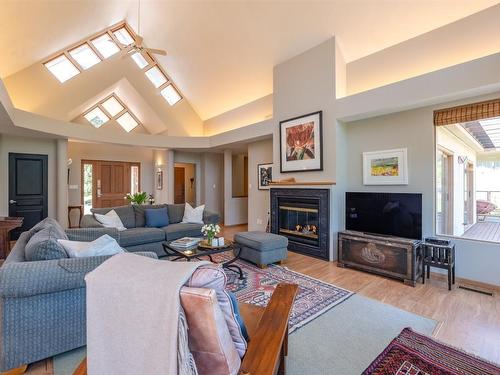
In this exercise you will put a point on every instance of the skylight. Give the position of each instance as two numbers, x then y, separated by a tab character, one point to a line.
105	45
156	77
62	68
127	122
112	106
139	60
123	36
170	94
96	117
84	56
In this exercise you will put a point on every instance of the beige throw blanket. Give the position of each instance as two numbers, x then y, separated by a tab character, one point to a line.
135	322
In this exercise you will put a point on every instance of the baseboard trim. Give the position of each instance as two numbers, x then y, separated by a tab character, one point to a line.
471	284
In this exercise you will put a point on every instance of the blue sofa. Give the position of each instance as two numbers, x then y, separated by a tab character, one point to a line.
138	237
42	303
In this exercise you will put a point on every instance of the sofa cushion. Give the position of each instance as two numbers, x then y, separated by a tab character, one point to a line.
126	214
262	241
110	220
179	230
156	217
43	245
139	210
175	213
138	236
45	223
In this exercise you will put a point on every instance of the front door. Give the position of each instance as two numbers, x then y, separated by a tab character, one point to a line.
179	185
27	189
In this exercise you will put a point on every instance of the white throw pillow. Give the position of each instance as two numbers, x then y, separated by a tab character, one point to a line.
193	215
104	245
110	220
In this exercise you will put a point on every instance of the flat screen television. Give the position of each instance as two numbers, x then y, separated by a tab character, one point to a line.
390	214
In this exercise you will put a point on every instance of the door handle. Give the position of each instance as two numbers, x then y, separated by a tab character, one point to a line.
12	201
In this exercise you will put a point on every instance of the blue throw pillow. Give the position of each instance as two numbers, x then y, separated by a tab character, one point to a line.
156	217
236	309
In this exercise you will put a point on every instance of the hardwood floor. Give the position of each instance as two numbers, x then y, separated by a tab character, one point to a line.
484	230
467	320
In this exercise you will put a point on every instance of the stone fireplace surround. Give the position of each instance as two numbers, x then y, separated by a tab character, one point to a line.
302	215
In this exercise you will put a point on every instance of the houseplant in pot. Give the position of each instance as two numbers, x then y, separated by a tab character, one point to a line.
210	231
140	197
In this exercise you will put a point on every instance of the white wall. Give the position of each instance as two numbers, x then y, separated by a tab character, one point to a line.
26	145
212	182
258	200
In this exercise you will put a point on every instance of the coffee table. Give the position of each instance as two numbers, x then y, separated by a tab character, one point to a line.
197	251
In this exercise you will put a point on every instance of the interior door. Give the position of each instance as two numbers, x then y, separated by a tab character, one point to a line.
27	189
179	185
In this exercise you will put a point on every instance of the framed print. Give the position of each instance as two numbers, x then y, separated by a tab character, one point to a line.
159	180
264	175
389	167
301	143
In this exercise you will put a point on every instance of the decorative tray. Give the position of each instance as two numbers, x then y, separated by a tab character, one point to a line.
204	245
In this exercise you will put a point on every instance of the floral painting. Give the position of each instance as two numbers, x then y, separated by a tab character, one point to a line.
301	143
388	167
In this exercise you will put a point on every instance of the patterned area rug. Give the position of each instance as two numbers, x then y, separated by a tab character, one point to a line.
314	298
413	354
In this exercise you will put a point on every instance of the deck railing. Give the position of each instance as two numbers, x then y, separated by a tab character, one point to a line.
489	195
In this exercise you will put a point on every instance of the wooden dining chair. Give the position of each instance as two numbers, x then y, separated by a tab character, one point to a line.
268	331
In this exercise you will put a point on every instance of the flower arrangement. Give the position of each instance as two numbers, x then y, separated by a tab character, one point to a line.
137	198
210	231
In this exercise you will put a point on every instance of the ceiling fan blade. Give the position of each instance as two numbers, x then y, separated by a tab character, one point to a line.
156	51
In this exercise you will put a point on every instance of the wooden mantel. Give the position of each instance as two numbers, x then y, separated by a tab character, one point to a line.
301	183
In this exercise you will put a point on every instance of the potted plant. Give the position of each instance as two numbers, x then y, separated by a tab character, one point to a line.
210	231
137	198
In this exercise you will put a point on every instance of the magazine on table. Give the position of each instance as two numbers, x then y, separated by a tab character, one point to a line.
186	242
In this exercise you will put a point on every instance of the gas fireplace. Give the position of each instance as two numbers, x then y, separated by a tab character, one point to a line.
302	215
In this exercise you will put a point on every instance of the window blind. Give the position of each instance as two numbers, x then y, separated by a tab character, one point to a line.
466	113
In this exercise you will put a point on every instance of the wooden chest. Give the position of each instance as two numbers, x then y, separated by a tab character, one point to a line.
395	257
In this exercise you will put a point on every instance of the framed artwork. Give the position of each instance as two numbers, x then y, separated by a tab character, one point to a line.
301	143
389	167
264	175
159	180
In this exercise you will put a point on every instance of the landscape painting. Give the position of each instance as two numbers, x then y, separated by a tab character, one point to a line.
388	167
301	143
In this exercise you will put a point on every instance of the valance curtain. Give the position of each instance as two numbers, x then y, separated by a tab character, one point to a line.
466	113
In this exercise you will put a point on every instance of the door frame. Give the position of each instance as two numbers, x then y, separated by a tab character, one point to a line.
449	174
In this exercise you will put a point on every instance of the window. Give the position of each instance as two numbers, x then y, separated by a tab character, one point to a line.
139	60
105	45
123	36
468	171
156	77
84	56
127	122
112	106
134	179
170	94
96	117
62	68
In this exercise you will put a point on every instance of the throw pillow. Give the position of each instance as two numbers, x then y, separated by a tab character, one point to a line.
193	215
104	245
110	220
156	217
43	245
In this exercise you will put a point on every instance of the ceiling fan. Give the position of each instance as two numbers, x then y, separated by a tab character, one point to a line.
137	46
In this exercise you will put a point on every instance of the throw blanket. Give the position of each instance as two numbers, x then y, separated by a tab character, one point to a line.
135	324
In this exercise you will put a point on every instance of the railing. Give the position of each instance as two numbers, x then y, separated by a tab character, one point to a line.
489	195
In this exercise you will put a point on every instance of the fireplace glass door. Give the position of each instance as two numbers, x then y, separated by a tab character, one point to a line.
299	220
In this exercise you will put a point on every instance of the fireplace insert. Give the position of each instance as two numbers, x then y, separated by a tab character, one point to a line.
302	215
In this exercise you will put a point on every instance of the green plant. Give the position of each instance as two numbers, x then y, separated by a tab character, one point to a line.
137	198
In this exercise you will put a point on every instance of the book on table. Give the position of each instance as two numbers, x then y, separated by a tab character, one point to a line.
185	242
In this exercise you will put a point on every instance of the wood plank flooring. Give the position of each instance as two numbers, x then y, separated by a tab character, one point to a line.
467	320
484	230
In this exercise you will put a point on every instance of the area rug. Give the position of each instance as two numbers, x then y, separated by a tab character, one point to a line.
414	354
314	297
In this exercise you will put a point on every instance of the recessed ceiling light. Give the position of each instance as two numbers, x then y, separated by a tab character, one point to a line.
127	122
112	106
96	117
156	77
139	60
62	68
84	56
170	94
105	45
123	36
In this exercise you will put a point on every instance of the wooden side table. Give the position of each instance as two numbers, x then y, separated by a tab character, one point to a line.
6	225
76	207
439	256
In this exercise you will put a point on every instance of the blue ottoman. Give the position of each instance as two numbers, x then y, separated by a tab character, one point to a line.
262	248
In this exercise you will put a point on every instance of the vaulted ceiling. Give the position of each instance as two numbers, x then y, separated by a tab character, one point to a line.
221	53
